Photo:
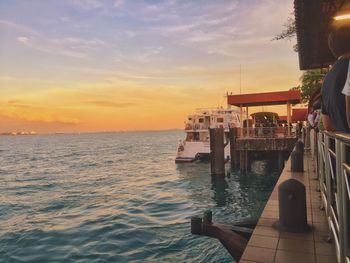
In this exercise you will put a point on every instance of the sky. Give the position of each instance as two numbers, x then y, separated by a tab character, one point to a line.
117	65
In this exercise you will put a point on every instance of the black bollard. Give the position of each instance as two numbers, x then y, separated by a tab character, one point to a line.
208	216
196	225
299	146
292	207
297	161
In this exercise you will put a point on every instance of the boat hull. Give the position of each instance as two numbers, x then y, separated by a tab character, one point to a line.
197	151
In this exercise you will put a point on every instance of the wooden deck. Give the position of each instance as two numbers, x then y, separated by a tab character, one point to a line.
267	244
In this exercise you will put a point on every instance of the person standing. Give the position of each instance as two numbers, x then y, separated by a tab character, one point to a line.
335	95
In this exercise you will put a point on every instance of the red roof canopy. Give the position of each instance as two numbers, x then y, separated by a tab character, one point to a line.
267	98
299	114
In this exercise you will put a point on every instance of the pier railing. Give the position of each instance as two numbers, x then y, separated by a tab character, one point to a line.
334	182
267	132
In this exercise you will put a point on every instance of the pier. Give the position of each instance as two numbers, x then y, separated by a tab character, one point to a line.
326	178
268	244
326	238
277	140
307	217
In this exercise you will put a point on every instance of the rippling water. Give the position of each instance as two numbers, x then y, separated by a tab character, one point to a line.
115	197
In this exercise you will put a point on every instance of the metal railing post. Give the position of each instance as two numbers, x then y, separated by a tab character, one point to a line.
320	166
344	228
334	186
339	204
328	176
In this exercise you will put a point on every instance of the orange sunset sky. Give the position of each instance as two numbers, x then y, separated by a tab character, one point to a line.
90	65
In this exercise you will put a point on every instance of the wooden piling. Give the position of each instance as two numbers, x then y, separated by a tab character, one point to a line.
217	154
233	149
247	161
243	161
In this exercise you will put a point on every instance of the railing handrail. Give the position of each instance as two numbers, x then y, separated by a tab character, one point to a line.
333	171
344	137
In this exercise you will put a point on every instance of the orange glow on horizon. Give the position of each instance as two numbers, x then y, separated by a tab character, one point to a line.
89	66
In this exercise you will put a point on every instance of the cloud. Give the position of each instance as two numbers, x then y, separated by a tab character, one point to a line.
73	47
130	34
14	101
65	19
118	3
31	112
88	4
74	54
111	104
152	8
23	40
18	27
78	41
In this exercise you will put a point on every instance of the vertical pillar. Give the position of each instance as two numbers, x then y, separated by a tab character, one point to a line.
247	161
217	154
242	161
247	120
233	148
288	118
241	119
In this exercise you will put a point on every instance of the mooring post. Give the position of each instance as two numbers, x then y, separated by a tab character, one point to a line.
233	149
196	225
297	161
217	154
307	138
299	146
292	207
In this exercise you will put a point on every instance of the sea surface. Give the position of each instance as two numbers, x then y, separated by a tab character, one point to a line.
116	197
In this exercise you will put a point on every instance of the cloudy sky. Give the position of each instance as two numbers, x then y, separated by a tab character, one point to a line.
108	65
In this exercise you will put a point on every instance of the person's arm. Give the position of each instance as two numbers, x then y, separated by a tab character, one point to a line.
327	123
346	92
347	103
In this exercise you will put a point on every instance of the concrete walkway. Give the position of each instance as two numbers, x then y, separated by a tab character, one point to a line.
267	244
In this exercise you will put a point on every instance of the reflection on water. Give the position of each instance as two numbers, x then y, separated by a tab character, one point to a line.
219	186
115	197
234	197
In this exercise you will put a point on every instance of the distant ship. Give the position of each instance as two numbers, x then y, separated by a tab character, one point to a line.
19	133
196	145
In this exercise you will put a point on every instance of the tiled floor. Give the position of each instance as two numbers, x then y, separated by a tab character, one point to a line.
270	245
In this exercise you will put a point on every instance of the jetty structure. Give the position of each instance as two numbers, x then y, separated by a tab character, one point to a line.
275	140
307	217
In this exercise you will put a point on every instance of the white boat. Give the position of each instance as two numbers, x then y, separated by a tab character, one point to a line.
196	146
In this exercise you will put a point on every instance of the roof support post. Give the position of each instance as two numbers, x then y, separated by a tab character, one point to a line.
241	120
288	118
247	120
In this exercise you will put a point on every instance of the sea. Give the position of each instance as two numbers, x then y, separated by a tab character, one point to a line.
117	197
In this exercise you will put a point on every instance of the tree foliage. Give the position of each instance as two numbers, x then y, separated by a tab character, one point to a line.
289	32
311	81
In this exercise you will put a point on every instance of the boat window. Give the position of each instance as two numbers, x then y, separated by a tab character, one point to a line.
190	119
220	119
200	120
